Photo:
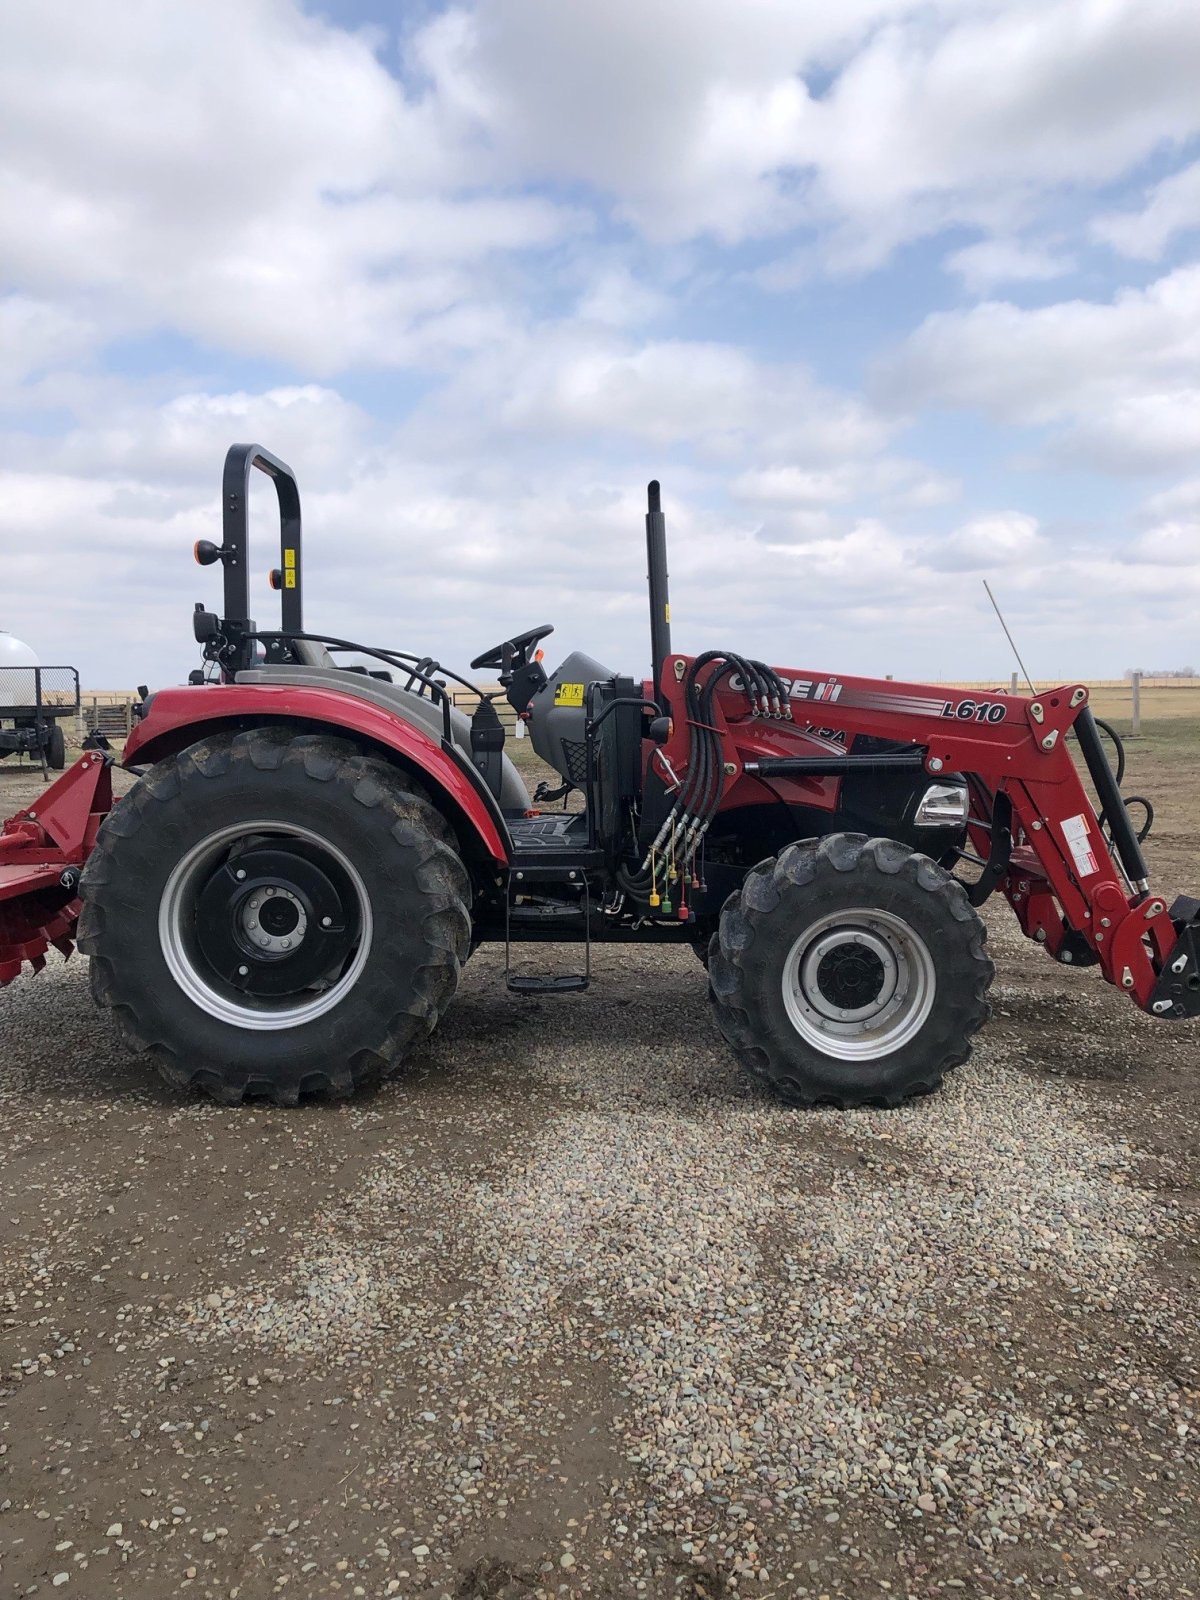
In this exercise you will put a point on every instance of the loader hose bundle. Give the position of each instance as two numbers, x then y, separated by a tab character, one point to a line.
674	854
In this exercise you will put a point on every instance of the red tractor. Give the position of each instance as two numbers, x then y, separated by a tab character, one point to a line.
283	904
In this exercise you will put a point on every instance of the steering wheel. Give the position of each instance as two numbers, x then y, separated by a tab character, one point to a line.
516	650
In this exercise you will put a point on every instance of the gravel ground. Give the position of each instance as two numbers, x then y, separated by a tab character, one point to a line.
573	1310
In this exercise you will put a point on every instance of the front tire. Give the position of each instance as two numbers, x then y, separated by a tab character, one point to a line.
850	971
274	915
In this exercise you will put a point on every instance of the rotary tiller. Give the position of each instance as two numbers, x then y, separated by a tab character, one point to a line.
283	903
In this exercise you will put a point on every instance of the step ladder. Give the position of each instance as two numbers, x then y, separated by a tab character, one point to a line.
521	882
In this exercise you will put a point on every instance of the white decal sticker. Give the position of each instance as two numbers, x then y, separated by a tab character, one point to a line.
1075	832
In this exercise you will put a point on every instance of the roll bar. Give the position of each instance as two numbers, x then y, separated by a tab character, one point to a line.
235	546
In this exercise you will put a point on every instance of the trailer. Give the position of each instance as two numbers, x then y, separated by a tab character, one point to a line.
34	702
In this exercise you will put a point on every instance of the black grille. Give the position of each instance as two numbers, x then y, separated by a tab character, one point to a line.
575	755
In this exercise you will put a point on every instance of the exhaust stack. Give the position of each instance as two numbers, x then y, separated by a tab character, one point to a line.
660	599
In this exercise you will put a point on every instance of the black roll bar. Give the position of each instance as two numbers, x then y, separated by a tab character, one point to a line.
235	527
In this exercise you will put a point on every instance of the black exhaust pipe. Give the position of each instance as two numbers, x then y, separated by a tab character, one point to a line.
660	599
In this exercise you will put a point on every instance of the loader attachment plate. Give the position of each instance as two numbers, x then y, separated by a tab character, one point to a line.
1177	992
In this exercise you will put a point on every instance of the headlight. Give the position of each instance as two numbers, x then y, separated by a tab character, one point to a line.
943	805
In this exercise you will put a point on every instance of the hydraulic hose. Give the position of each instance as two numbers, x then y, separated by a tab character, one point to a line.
1130	799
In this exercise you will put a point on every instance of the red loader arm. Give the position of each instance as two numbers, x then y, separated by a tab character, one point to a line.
1031	818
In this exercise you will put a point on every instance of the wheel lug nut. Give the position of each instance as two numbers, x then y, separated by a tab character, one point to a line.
264	940
287	944
254	903
253	923
243	972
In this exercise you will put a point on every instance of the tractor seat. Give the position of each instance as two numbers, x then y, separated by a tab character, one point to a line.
417	710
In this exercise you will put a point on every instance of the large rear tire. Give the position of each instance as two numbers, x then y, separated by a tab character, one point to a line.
850	971
275	915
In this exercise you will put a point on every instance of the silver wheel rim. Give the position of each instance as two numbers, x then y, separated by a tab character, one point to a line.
176	921
859	984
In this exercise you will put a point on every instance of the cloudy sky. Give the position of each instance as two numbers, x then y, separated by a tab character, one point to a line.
893	297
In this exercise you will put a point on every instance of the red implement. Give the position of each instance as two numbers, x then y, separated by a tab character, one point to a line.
42	851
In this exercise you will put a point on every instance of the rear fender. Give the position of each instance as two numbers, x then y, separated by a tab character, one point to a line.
176	718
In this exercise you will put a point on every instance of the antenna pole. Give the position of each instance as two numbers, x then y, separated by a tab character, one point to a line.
1008	635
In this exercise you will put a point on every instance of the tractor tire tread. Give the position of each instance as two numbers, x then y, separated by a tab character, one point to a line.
417	829
747	922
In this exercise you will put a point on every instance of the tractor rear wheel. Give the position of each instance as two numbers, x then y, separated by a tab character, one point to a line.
850	971
276	915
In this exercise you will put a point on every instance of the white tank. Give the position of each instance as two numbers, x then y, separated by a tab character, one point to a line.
17	686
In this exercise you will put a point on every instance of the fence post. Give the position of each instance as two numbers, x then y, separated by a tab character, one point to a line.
1012	684
1137	702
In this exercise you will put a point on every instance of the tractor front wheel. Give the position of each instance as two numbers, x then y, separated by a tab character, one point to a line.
850	971
276	915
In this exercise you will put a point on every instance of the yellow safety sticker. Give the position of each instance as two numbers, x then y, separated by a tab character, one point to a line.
667	612
289	558
569	694
289	578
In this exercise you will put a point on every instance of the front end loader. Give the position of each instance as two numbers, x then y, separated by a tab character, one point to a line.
314	847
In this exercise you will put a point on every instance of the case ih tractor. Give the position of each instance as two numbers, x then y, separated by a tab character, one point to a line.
283	904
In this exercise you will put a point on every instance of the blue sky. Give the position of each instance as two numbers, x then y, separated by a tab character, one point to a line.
892	296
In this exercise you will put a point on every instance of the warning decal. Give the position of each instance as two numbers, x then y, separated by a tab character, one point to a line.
569	694
1075	832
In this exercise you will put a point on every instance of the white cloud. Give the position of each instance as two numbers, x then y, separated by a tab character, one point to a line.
983	265
34	335
716	399
1180	497
895	483
410	550
282	195
184	441
615	298
1172	207
1170	544
1119	378
696	117
561	217
998	540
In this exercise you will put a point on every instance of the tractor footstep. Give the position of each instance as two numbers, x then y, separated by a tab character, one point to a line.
559	983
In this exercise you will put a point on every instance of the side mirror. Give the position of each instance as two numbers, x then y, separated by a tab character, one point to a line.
205	624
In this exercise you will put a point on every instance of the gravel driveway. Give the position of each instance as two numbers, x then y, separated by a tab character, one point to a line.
572	1310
